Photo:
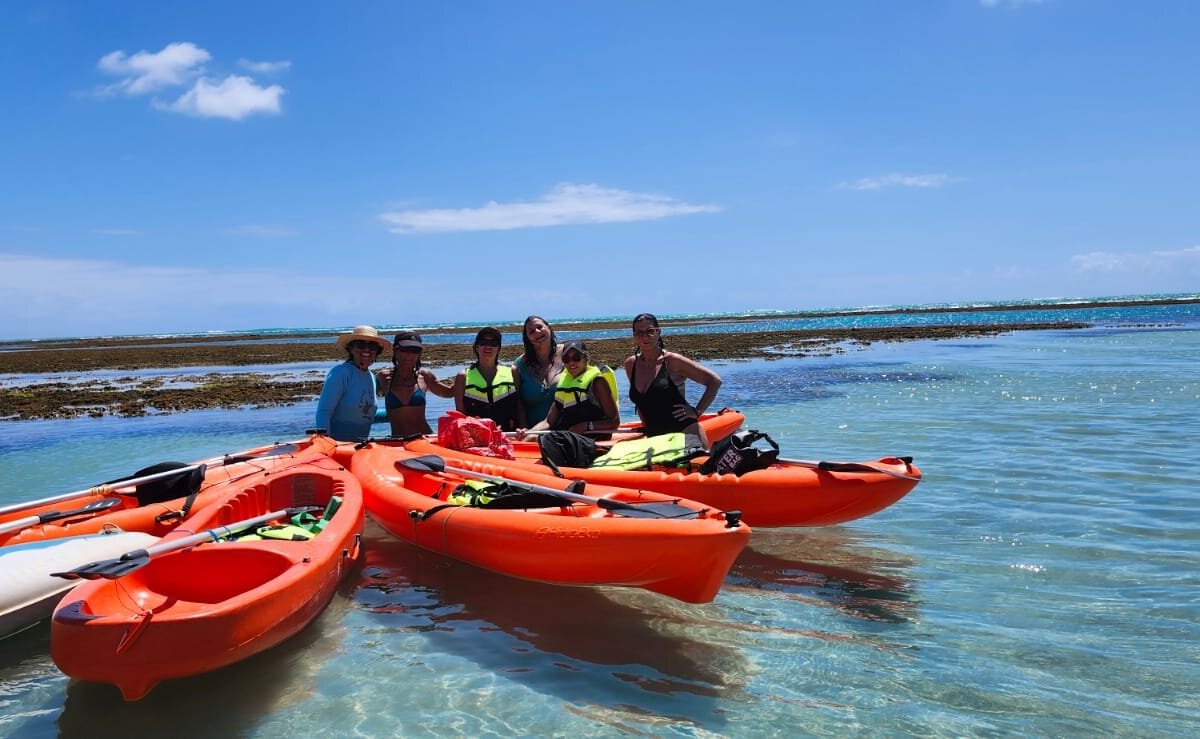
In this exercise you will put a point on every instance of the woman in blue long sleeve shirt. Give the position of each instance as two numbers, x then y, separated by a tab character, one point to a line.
346	408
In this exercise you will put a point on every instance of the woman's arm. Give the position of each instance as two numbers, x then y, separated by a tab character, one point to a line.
608	405
436	386
681	366
383	381
518	378
459	388
331	395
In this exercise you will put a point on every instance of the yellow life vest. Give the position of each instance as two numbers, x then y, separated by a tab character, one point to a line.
643	454
572	390
497	401
501	387
474	492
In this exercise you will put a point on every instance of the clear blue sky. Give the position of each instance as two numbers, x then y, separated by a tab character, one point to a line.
213	166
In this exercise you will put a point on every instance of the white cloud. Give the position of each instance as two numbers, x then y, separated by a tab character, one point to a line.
900	180
264	67
262	231
1179	262
235	97
565	204
146	72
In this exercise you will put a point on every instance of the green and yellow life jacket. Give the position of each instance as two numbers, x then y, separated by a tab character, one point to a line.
496	400
577	403
671	450
476	493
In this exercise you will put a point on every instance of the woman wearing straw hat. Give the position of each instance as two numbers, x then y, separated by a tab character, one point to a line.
346	409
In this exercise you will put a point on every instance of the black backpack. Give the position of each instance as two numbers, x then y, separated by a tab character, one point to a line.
566	449
741	452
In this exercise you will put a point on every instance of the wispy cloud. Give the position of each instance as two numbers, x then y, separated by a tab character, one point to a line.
900	180
235	97
1179	261
565	204
146	72
264	67
262	231
114	232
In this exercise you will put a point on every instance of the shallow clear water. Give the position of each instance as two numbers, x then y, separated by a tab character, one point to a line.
1043	578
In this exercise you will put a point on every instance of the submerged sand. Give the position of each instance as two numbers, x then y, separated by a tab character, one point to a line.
132	396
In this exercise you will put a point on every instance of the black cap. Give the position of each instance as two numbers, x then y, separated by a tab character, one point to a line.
577	345
407	338
488	331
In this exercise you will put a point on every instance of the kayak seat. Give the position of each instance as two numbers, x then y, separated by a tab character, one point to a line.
211	574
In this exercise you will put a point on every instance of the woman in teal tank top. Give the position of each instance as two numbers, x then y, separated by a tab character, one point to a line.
537	370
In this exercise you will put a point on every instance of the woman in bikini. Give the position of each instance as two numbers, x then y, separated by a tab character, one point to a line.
537	370
656	383
407	386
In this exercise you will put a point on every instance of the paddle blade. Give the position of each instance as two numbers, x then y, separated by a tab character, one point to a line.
861	467
87	510
647	510
426	463
108	568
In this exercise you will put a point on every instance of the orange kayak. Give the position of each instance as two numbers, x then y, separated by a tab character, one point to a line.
155	507
716	426
211	604
790	493
604	536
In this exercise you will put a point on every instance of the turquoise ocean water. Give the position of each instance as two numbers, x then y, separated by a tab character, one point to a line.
1043	579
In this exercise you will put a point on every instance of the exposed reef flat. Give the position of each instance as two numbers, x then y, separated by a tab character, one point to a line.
202	388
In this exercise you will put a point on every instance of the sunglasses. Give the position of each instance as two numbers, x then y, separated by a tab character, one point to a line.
573	357
645	332
364	346
409	350
488	342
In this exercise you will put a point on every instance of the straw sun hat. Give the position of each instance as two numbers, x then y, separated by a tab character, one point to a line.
363	333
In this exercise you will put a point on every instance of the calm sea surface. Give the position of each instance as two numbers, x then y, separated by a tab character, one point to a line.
1043	579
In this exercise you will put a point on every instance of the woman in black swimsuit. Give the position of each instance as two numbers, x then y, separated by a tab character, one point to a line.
656	383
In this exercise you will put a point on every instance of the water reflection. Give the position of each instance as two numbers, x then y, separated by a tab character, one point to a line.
617	650
227	702
828	567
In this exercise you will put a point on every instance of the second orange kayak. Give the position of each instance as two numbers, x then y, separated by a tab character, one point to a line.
683	551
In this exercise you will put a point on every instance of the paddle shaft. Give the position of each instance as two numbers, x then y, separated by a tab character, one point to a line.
103	489
132	560
48	516
107	488
213	534
420	463
434	463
